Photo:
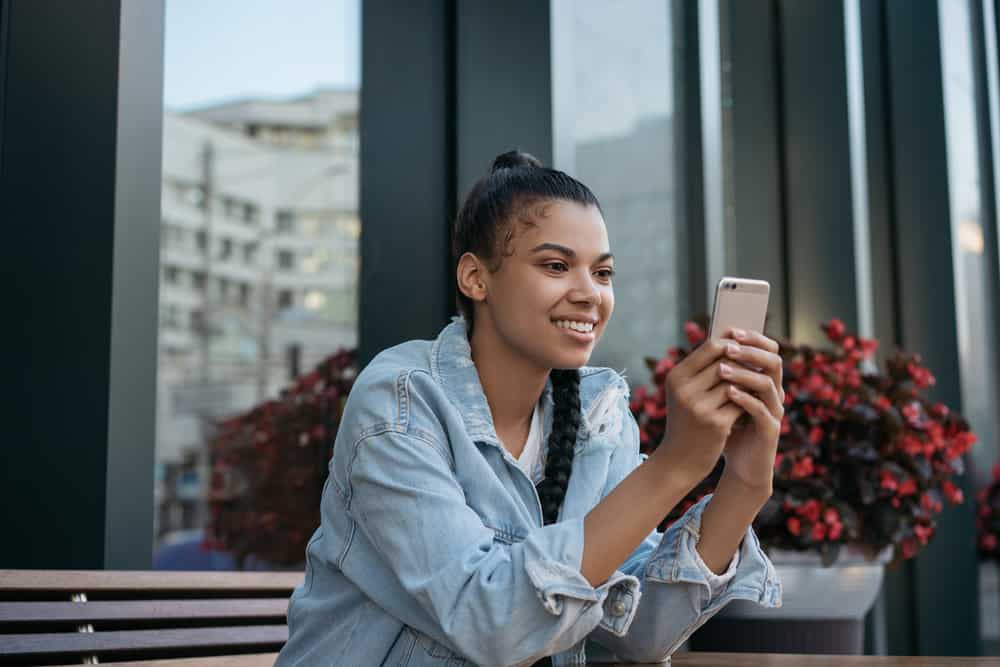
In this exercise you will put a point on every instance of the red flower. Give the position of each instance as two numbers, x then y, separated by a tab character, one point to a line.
695	334
794	525
923	533
887	481
952	492
963	442
939	410
654	410
988	542
907	488
920	375
663	366
830	515
909	547
815	435
835	531
815	383
819	531
803	468
911	445
930	504
809	510
834	329
868	347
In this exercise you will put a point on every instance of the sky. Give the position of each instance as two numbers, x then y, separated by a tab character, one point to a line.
218	50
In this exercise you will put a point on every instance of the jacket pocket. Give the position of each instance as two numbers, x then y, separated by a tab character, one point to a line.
433	653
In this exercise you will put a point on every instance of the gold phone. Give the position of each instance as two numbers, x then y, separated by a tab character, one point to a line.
739	302
742	303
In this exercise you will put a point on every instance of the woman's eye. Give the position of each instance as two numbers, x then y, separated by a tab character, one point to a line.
556	264
607	273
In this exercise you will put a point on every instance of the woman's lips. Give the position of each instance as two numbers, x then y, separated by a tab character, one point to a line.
578	336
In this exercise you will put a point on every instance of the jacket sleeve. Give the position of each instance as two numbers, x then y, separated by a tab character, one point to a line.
679	593
495	602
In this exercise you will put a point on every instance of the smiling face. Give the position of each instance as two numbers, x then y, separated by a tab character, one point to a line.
552	296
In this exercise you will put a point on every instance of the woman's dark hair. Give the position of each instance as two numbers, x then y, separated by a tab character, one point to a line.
485	226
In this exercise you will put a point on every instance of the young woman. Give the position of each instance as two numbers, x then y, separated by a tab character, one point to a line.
486	504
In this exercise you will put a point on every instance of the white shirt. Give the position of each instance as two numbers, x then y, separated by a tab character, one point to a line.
530	461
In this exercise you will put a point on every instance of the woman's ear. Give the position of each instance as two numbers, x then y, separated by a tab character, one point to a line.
471	276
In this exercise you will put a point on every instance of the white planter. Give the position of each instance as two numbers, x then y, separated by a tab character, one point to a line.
809	591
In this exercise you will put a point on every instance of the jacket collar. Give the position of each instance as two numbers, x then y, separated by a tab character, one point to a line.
452	367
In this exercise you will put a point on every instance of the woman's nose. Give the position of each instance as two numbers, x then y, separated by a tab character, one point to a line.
585	290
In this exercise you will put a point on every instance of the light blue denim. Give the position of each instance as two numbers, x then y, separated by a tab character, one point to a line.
431	548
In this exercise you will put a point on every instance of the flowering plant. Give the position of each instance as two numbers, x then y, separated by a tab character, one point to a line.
864	458
988	518
269	466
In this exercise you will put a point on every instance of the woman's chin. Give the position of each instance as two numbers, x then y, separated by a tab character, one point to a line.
568	361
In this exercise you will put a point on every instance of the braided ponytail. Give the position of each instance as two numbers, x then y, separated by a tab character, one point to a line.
562	441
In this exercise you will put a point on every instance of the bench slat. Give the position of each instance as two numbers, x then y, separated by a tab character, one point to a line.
84	581
248	660
131	610
86	643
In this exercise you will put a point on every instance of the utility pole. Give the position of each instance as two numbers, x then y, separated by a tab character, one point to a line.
203	327
265	316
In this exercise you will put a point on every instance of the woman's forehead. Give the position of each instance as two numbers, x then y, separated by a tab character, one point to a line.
568	224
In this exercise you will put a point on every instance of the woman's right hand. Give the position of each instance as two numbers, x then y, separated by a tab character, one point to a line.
700	413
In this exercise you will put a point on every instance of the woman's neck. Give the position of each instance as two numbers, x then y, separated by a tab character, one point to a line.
512	384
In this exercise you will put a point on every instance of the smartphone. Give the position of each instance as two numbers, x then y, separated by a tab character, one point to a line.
739	302
742	303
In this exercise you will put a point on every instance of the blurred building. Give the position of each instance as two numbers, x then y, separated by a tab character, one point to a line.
259	267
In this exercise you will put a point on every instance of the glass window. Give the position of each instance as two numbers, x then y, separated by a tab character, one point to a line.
286	259
614	97
964	116
285	221
260	127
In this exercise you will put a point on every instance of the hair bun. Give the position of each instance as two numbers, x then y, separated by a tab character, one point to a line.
514	159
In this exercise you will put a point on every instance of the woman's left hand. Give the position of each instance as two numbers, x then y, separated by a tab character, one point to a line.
752	444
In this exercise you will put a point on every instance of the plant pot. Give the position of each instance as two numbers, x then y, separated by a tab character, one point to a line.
822	611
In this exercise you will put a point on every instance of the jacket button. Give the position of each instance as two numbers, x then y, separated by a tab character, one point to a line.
617	608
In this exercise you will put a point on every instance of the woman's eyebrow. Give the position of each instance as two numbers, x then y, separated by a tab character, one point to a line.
569	252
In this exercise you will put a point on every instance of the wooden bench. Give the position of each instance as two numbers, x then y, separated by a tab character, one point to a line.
152	619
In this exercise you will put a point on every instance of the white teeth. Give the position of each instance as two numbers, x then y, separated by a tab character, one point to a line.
585	327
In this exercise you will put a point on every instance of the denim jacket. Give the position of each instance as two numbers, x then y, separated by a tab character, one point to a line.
432	550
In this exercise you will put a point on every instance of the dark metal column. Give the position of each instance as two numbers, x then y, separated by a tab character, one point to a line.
817	167
80	203
757	234
407	167
945	574
503	83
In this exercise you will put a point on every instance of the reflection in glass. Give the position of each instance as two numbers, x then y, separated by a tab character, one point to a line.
614	130
259	269
976	337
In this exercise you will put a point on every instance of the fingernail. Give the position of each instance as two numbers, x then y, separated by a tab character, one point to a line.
739	333
724	369
733	349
